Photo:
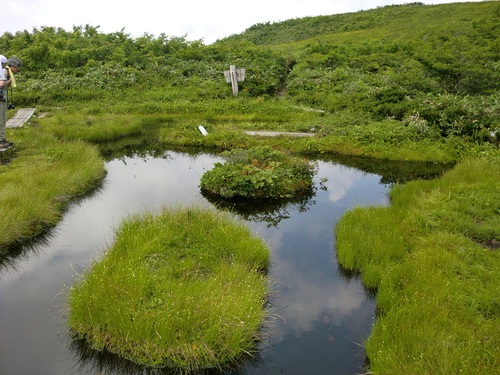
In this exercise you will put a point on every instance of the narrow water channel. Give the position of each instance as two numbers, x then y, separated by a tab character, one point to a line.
321	317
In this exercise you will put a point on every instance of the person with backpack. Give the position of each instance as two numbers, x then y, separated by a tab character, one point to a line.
9	67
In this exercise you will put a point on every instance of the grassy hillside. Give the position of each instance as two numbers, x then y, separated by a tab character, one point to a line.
390	21
426	66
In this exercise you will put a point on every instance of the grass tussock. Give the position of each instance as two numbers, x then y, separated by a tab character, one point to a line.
434	258
183	289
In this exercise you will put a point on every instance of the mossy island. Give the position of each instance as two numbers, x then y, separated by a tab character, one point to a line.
183	289
259	173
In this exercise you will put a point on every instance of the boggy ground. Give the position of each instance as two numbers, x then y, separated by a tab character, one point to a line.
441	232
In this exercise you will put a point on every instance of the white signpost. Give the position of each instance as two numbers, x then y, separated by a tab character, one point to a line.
234	76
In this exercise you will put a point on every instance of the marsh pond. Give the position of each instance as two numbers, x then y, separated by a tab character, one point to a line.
321	314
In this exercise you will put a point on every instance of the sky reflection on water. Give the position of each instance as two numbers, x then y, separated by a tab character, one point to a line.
320	318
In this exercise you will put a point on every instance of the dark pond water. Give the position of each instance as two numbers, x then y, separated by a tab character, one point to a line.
322	317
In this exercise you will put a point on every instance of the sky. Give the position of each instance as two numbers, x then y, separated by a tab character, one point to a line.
192	19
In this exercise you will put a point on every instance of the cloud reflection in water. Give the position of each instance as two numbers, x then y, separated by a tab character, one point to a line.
322	313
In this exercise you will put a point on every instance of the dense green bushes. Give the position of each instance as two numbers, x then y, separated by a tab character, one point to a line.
441	64
84	63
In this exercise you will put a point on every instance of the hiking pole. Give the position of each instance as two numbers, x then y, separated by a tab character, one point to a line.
11	97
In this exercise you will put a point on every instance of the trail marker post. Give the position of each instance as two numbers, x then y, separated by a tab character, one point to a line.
234	76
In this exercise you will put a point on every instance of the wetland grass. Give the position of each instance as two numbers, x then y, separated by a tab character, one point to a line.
93	127
431	259
184	289
176	123
39	176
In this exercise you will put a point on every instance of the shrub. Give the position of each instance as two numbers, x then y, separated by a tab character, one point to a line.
260	172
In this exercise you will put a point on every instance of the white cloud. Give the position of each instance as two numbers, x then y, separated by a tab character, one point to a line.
194	19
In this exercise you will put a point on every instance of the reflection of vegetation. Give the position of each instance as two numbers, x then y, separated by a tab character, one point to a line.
392	171
94	361
183	289
354	275
268	211
143	147
10	257
260	172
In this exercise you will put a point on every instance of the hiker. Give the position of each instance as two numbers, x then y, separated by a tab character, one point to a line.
7	79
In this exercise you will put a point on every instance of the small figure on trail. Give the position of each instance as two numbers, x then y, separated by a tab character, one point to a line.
9	67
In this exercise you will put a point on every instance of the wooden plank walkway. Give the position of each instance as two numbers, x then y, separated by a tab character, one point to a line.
277	134
22	115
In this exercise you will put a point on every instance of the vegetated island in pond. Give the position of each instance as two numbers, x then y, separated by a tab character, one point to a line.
259	173
184	289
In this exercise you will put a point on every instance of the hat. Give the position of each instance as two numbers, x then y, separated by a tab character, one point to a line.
3	59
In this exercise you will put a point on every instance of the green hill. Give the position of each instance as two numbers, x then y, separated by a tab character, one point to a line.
433	66
393	21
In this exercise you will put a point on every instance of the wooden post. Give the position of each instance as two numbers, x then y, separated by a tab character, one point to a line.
234	79
234	76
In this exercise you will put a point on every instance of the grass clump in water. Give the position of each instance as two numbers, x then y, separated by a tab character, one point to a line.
260	172
434	257
183	289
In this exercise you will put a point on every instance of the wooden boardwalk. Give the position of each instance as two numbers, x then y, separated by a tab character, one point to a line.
22	115
277	134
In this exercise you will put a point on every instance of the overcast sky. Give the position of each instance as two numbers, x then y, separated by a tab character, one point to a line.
193	19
